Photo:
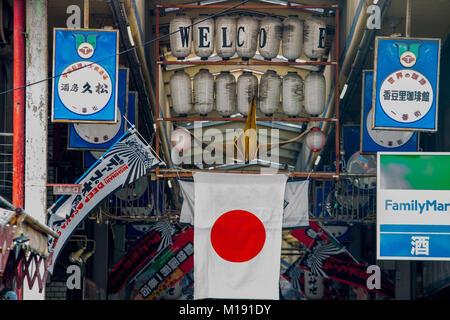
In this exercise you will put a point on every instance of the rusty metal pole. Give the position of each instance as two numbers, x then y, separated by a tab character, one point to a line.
19	102
408	19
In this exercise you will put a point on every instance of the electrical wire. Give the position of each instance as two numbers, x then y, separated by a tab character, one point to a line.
127	50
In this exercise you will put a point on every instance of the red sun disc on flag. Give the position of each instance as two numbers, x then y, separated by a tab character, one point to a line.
238	236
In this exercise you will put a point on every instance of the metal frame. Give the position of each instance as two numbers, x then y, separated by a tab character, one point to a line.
169	173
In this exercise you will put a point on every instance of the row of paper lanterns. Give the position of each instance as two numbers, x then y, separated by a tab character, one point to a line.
181	139
227	95
245	34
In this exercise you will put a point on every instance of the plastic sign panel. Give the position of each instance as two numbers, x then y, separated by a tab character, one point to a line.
94	136
413	206
91	156
85	72
374	140
406	81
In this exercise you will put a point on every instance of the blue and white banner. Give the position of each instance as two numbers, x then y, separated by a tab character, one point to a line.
406	81
125	162
85	71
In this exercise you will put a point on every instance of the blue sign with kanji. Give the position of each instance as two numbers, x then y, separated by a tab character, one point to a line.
85	72
406	81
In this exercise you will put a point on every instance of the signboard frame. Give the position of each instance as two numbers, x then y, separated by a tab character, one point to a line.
418	223
59	112
380	119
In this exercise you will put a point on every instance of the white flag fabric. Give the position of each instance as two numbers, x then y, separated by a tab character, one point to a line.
237	235
296	205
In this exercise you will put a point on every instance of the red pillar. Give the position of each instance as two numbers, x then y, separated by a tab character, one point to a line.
19	108
19	102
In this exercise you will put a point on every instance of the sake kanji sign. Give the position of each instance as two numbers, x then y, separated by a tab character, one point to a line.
85	70
406	80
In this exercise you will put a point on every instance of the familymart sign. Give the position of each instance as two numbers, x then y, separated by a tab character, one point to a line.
413	206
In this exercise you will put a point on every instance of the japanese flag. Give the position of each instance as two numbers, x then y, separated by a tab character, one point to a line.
237	235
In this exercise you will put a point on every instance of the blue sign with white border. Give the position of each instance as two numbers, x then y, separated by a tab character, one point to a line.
85	72
374	140
102	136
406	81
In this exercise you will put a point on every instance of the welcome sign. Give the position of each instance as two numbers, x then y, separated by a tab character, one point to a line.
413	206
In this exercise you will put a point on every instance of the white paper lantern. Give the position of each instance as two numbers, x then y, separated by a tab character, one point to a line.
203	36
314	287
226	36
180	139
292	42
247	90
225	93
315	139
269	92
180	41
203	92
181	92
270	32
292	93
314	37
246	37
315	93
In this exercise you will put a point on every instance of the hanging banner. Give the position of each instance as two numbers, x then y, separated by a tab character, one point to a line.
85	72
374	140
406	82
166	269
413	206
330	259
143	250
125	162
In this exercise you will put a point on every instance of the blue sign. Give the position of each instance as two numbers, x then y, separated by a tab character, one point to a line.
406	82
132	108
413	206
374	140
102	136
85	71
415	242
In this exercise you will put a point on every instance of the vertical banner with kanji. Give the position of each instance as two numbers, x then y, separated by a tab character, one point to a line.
125	162
167	268
85	72
406	82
